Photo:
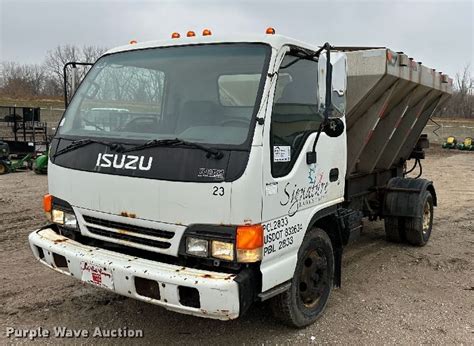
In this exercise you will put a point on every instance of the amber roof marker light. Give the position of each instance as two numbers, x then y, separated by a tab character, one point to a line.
175	35
206	32
270	31
191	34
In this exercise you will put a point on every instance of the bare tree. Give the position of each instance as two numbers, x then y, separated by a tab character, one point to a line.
92	53
22	80
26	80
461	103
465	85
58	57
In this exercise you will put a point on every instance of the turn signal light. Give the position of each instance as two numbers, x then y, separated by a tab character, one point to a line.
270	31
175	35
133	42
249	243
206	32
191	34
249	237
47	203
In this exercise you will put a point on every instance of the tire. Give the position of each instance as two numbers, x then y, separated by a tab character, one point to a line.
418	229
3	168
394	230
304	302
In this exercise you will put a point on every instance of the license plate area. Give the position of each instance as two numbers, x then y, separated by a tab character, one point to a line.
97	275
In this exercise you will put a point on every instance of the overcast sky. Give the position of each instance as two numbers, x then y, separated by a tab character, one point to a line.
438	33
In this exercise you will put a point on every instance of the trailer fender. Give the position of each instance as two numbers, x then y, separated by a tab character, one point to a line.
402	196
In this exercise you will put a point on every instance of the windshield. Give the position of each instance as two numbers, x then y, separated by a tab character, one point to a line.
201	93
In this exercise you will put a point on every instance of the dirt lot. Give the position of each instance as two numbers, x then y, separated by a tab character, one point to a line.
390	294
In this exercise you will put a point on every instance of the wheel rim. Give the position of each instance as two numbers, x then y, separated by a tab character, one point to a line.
313	279
426	218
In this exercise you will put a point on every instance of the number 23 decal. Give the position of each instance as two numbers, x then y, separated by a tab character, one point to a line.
218	191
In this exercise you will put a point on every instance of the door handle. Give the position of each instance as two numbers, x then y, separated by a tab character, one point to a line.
334	174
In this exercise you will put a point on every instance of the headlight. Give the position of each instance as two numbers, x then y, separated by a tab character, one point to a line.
197	247
64	218
58	216
222	250
70	220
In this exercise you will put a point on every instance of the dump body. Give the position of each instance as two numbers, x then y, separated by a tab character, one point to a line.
390	98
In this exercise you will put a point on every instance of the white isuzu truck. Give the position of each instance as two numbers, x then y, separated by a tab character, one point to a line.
205	173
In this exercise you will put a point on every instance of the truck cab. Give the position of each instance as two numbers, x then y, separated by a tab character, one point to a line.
204	173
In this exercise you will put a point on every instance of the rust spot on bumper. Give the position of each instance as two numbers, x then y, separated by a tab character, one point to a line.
62	240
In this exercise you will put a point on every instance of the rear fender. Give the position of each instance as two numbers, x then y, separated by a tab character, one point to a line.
402	196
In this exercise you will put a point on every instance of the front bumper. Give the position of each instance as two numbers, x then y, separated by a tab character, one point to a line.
218	293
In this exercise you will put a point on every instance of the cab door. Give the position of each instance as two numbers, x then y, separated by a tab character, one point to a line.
294	190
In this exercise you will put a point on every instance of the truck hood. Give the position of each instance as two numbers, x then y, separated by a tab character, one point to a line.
178	203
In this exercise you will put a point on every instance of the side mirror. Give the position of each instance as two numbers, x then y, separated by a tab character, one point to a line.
334	127
333	78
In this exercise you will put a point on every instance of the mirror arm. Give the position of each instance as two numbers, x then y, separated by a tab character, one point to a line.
328	101
311	156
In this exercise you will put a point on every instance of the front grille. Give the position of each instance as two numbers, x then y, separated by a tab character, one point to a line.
129	228
128	237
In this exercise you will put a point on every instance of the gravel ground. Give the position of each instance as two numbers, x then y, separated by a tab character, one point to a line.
390	293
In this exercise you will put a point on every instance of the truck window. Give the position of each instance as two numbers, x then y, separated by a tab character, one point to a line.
295	112
124	96
200	93
238	90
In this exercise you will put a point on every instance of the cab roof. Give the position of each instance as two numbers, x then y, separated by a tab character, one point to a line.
275	41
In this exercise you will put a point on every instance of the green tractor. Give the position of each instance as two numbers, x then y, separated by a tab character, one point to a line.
451	143
40	164
9	164
466	144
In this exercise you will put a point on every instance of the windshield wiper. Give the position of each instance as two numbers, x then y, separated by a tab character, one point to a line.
86	141
211	152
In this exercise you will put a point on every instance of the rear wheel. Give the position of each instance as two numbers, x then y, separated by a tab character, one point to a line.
394	231
312	282
418	229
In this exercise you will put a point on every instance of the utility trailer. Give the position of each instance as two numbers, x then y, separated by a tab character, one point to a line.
23	130
24	138
204	173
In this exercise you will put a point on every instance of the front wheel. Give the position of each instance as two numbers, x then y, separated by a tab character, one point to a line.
312	282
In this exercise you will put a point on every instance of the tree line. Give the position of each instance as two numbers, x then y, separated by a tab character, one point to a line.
45	80
461	104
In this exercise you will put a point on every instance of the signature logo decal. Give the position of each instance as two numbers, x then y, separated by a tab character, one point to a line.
297	197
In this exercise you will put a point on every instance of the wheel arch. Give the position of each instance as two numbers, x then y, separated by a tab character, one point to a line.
431	189
402	195
327	220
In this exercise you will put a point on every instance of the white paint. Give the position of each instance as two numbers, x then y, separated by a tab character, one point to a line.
283	205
